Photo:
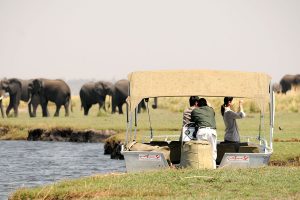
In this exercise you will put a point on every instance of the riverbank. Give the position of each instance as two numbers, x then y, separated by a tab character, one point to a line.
261	183
69	135
54	134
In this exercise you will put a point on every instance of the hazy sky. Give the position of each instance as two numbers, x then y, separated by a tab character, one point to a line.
98	39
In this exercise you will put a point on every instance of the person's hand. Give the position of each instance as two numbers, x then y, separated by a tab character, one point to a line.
241	102
241	105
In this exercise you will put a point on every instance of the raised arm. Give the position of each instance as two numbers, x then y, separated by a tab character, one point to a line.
237	115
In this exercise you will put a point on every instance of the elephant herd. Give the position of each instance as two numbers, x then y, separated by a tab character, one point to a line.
40	91
95	93
36	92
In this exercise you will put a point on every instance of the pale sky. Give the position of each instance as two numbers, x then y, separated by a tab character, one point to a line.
103	40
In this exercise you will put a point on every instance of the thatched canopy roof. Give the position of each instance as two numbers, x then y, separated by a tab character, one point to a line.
176	83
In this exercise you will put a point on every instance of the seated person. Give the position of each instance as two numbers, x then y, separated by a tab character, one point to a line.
204	117
187	112
187	118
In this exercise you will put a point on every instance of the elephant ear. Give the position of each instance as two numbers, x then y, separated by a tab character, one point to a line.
99	88
37	85
30	87
5	84
108	88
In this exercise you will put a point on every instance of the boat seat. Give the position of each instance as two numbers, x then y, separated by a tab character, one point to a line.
175	150
223	148
248	149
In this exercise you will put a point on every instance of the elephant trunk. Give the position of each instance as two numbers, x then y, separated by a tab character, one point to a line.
29	106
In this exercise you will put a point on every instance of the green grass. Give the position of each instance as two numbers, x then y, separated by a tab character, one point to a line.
261	183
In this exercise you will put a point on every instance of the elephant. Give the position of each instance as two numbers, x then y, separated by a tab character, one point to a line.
155	104
120	94
288	81
276	88
56	91
94	92
18	90
27	97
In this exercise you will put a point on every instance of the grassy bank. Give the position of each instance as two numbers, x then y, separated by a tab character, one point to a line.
262	183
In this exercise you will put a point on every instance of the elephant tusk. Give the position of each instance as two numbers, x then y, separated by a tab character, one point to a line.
1	97
109	99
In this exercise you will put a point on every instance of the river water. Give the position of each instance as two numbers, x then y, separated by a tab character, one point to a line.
28	164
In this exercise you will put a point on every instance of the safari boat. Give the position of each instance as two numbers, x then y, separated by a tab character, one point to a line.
252	152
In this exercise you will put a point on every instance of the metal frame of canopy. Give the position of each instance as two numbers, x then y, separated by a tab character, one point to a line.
148	84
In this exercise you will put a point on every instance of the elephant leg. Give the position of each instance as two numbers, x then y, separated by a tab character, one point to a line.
67	109
1	107
16	112
86	109
103	104
34	102
29	109
31	114
45	109
142	105
56	114
113	109
113	105
47	112
120	109
16	103
154	105
34	110
9	107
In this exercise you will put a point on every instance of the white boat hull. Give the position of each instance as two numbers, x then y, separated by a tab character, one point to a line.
245	160
144	160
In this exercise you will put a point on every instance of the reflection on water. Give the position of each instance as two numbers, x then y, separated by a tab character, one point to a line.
27	164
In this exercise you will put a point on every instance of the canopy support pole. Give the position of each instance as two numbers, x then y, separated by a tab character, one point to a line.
151	132
272	114
135	123
127	125
259	129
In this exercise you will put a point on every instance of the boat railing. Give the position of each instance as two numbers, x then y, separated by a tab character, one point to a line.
165	138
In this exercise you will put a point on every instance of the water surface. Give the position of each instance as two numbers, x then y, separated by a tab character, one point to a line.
33	163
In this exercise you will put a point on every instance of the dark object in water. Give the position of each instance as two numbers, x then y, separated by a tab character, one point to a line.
116	151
